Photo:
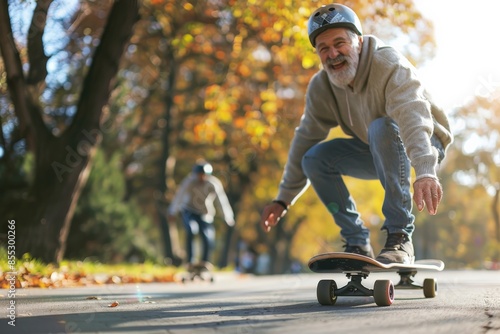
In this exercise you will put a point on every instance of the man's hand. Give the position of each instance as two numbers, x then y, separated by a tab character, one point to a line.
428	192
271	215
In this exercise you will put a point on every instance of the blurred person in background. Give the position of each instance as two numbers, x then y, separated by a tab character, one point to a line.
195	199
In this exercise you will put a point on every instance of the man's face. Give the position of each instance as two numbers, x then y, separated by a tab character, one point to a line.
201	177
339	54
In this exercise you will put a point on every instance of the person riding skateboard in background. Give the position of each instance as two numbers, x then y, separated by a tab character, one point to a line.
195	200
373	93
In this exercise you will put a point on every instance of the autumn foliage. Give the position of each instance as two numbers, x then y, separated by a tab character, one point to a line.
224	80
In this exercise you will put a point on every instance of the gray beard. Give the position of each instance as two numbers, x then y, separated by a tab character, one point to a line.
344	78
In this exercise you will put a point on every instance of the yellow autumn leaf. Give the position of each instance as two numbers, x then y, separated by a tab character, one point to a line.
308	61
187	38
269	107
268	95
224	112
237	12
187	6
209	105
278	26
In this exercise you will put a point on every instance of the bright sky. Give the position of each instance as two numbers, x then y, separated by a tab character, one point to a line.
467	61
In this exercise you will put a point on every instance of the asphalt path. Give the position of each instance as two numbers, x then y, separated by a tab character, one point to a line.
467	302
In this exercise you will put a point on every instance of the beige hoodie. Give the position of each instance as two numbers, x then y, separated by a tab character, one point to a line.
199	197
386	85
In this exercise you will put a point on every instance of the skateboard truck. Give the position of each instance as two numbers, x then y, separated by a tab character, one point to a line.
382	292
406	282
354	287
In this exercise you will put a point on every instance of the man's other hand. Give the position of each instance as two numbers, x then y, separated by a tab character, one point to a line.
427	192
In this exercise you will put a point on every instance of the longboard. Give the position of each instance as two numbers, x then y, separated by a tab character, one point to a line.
200	270
358	267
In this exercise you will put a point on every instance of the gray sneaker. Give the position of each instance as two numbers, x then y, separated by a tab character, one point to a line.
398	249
365	250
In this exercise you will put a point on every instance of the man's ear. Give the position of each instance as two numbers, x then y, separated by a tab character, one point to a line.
360	40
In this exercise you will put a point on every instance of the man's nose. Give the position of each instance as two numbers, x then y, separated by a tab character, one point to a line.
333	53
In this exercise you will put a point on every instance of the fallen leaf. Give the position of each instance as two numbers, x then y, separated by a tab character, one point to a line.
114	304
93	298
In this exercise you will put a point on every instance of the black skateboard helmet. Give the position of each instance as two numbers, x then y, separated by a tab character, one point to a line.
203	168
332	16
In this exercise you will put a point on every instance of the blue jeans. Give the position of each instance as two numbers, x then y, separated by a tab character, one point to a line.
193	223
384	158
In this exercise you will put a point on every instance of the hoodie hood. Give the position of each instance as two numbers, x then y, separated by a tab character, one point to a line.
371	44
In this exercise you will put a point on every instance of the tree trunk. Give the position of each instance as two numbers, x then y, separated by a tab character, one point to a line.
56	192
169	253
62	164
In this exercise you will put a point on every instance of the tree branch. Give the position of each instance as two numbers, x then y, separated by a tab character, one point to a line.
98	82
30	121
36	53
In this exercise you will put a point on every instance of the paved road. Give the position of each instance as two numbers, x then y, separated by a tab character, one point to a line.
467	302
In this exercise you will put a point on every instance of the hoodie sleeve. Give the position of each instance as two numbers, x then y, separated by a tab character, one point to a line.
315	125
222	200
407	104
178	200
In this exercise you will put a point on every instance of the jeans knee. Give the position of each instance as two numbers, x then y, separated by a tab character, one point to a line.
310	162
306	165
382	130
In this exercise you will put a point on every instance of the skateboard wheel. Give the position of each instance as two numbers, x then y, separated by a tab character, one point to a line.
383	292
430	288
325	292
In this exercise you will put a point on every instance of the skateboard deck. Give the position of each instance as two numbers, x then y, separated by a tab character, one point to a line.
358	267
200	270
345	262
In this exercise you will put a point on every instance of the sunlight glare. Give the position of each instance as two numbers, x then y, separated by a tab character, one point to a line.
460	34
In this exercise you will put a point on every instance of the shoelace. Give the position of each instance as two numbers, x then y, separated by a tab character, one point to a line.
353	249
394	241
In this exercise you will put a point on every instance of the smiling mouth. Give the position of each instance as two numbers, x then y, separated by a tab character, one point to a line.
338	66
